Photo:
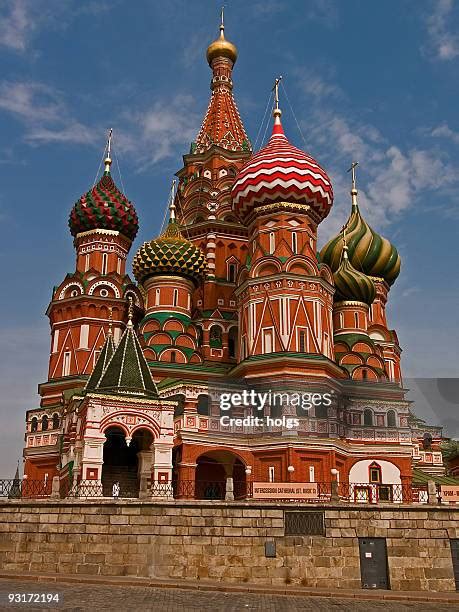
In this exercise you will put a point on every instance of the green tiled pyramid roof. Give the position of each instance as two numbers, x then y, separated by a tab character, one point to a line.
127	371
105	355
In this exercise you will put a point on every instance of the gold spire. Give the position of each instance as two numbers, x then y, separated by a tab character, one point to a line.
130	312
354	185
108	159
221	47
277	111
172	203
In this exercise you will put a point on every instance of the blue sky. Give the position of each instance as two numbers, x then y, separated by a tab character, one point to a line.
375	82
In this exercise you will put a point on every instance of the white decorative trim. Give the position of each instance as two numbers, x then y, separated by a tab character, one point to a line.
104	283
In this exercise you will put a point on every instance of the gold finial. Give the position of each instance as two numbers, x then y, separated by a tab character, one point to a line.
277	111
221	47
108	159
110	320
172	203
222	22
130	312
343	232
354	184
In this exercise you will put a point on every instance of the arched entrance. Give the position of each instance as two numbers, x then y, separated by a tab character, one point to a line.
121	460
220	475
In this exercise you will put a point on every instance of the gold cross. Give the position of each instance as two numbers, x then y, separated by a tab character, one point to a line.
276	91
352	169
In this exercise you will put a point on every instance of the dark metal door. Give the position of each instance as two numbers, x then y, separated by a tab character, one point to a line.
373	563
455	557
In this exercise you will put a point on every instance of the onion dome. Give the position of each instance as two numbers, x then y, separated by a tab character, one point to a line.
280	172
221	47
351	284
104	207
171	253
368	252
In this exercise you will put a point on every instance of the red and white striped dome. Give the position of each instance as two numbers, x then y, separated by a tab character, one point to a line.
280	172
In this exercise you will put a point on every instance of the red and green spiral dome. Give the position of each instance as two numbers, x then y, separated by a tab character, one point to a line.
104	207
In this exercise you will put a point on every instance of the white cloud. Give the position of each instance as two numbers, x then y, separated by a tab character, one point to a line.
444	131
44	114
21	20
159	132
16	25
390	177
443	42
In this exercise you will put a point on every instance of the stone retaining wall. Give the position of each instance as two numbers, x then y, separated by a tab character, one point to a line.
225	542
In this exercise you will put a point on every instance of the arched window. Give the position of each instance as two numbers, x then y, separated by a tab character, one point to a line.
44	422
203	405
198	335
173	356
216	336
232	342
294	243
232	273
367	417
34	425
375	475
55	421
391	422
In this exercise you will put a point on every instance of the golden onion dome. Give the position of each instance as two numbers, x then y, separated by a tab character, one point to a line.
221	48
171	253
351	284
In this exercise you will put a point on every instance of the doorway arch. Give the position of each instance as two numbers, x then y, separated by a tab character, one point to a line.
120	463
213	469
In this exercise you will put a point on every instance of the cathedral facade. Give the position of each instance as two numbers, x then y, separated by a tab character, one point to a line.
233	296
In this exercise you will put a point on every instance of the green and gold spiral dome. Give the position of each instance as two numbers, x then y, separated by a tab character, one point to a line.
171	253
351	284
368	252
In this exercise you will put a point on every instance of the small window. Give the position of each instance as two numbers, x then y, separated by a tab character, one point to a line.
271	474
66	364
294	242
391	422
157	297
44	423
272	243
55	341
311	473
104	263
203	405
118	265
34	424
175	297
375	473
341	320
232	273
55	421
103	293
173	356
356	319
86	262
268	345
364	374
303	341
367	417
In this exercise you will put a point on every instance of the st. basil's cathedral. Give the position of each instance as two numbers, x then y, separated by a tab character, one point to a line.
234	289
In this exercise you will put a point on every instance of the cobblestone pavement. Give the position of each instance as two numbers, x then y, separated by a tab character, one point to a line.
103	597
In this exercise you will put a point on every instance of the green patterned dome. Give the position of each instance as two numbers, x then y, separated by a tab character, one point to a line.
368	251
351	284
104	207
171	253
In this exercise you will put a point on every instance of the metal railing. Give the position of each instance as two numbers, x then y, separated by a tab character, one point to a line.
14	488
327	492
